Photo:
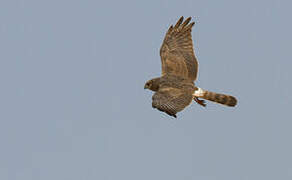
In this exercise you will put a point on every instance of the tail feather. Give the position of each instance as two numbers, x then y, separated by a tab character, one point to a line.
216	97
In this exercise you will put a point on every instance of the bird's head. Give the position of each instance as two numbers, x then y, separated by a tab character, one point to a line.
152	84
148	84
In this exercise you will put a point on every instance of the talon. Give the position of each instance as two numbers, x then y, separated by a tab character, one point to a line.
201	102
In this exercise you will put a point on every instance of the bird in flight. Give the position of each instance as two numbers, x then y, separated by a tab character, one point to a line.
175	89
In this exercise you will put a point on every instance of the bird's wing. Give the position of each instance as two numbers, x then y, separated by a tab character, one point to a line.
171	100
176	52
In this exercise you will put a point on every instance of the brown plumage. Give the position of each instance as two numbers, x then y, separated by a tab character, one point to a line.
175	89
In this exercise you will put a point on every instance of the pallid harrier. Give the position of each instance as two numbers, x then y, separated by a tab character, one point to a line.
175	89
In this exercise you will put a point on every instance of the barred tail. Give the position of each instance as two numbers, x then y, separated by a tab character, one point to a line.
215	97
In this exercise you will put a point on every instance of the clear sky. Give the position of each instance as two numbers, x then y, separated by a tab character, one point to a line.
72	103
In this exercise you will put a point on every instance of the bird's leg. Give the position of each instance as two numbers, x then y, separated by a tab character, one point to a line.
201	102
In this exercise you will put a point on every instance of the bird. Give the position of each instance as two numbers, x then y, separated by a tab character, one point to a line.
175	88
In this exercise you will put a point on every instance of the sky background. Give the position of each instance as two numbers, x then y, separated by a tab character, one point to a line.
72	103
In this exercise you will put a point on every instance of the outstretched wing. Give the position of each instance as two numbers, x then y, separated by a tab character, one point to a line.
171	100
177	54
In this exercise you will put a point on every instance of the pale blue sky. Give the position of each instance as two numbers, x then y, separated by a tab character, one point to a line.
73	105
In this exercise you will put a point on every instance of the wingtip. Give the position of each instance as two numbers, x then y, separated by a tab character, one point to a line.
190	26
186	22
179	22
189	18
